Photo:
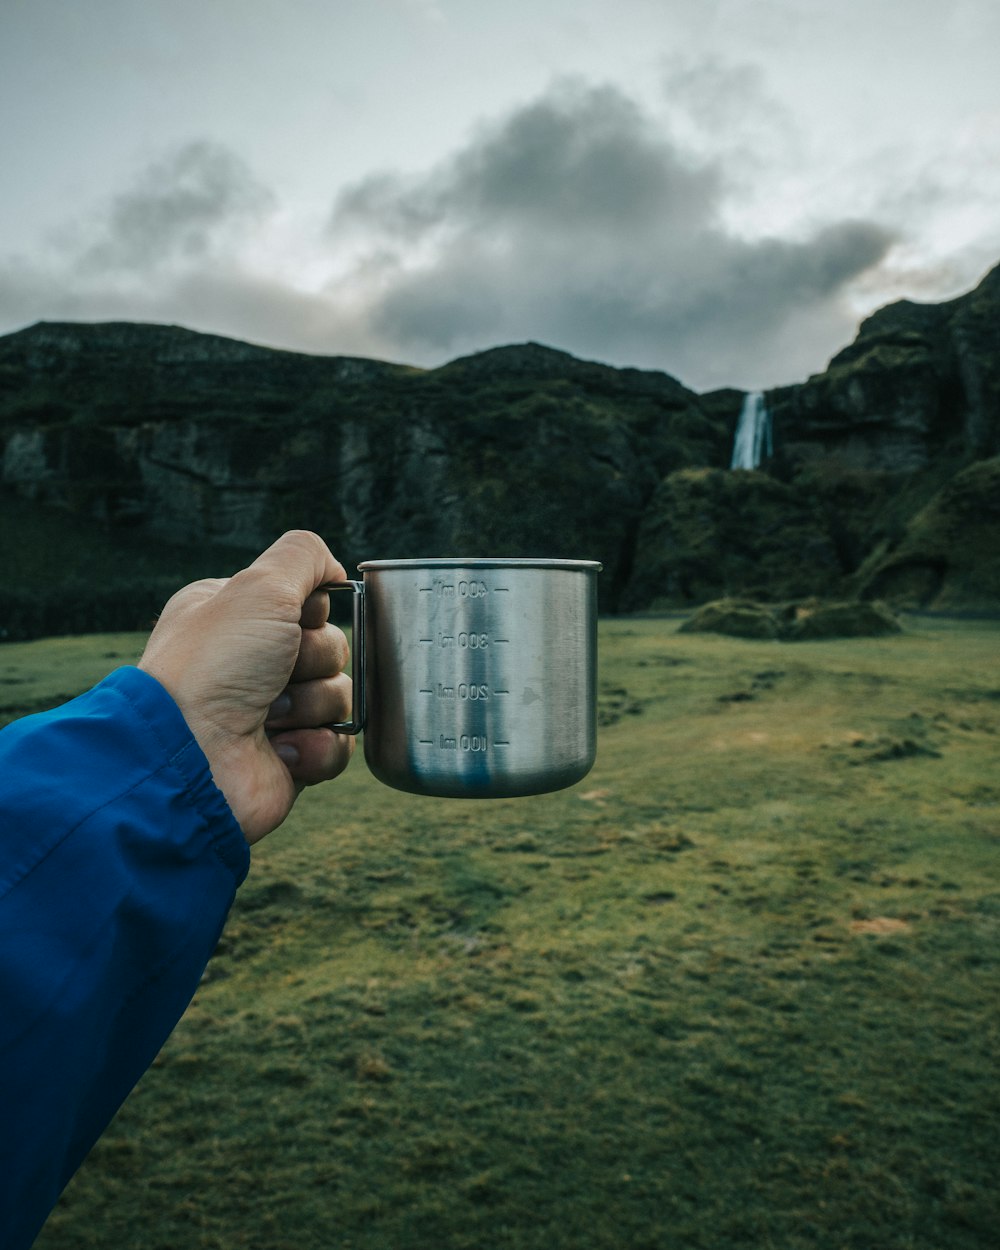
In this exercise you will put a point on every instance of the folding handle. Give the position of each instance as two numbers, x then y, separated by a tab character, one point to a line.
359	712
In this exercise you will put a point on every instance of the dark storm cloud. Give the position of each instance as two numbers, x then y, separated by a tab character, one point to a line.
583	154
575	221
177	210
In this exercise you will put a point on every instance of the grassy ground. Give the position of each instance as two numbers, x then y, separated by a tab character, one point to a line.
738	988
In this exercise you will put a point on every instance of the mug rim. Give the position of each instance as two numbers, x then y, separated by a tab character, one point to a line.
481	562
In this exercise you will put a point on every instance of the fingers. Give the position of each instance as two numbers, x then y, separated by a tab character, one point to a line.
323	651
315	610
310	704
313	755
298	729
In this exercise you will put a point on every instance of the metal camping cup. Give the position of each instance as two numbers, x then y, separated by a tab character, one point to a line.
476	678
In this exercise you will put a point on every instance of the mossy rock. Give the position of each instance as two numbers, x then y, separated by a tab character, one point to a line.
739	618
812	620
800	621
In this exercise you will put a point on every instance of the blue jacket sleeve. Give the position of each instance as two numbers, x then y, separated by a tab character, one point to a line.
119	860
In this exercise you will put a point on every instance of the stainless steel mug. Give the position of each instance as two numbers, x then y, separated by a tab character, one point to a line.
476	678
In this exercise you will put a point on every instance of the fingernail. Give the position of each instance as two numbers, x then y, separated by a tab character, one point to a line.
287	754
280	707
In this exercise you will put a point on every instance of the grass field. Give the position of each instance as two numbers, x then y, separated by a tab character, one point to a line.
740	987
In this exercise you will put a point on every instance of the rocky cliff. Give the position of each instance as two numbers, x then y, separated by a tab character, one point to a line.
920	381
883	472
521	450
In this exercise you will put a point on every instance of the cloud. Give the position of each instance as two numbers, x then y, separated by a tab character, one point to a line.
726	108
575	221
182	207
185	243
583	154
176	245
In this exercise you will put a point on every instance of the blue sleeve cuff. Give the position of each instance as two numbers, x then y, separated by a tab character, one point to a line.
160	713
63	766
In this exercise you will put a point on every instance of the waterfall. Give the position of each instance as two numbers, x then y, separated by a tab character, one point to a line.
753	433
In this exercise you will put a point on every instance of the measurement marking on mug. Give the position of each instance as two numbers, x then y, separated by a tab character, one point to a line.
467	641
467	742
470	589
472	691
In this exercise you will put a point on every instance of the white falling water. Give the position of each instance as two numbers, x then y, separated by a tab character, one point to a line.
753	433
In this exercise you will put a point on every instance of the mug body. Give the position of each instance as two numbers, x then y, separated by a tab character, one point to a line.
480	674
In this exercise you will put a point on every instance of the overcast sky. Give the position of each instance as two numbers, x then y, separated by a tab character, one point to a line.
717	188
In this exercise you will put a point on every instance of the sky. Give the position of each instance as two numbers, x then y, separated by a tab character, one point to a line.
721	189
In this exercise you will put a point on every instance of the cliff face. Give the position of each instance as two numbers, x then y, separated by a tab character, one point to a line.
191	439
184	435
899	441
920	381
520	451
883	480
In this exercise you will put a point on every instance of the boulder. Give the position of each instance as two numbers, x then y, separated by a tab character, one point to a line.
813	620
739	618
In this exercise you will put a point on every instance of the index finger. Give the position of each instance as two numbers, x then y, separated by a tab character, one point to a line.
300	560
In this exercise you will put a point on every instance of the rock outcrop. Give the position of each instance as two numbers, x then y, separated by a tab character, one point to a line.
884	481
711	531
518	451
948	555
920	381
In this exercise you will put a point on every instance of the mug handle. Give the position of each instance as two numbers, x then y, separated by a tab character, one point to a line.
359	712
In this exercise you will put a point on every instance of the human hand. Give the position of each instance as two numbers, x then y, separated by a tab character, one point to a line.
256	669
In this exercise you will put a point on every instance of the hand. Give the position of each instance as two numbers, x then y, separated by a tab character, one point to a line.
256	670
